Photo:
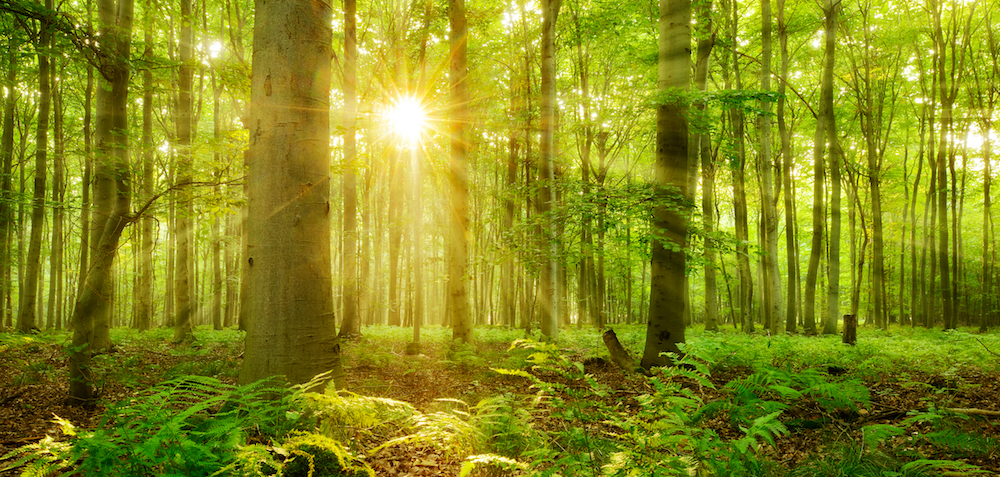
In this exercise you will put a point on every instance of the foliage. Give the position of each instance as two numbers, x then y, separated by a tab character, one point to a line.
771	390
594	433
191	425
310	455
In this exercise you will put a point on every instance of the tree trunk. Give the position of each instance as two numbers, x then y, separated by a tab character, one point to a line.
6	183
290	321
667	301
703	147
791	226
548	298
112	197
56	270
144	293
27	319
744	274
351	325
772	279
836	158
185	168
819	178
458	262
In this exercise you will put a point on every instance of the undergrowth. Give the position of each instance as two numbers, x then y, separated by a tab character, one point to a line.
568	423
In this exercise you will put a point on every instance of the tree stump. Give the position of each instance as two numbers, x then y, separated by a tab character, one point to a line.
850	329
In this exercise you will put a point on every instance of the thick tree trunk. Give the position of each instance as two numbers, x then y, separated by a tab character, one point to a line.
291	327
667	301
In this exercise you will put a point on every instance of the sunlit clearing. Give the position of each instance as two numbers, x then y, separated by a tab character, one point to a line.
406	119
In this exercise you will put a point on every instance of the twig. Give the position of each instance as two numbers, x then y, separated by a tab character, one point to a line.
994	353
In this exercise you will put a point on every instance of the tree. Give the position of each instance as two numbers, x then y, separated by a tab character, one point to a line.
458	257
6	176
291	328
548	299
185	171
703	147
26	317
667	300
831	9
112	194
351	326
772	280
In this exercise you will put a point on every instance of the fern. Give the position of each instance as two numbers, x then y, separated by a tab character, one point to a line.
350	417
192	425
310	455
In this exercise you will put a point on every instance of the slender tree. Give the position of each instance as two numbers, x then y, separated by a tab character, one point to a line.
458	257
27	318
351	325
548	297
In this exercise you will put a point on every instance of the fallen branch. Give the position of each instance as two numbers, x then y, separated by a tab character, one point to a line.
619	355
994	353
973	411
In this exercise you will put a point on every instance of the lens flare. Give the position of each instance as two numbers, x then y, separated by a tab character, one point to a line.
407	120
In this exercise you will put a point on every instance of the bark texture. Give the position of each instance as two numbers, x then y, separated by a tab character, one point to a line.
291	330
667	300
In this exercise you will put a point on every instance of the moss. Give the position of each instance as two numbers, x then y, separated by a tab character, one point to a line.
315	455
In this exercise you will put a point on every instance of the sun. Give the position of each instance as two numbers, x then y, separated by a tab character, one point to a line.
407	120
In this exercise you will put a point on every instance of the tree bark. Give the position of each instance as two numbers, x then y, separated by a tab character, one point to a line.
27	319
548	298
791	226
56	253
291	327
6	183
112	198
772	279
458	262
185	166
836	158
144	293
667	300
703	147
351	325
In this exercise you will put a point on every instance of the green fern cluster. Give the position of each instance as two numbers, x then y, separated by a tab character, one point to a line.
192	425
774	390
577	426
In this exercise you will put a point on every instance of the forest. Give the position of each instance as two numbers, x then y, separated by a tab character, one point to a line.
427	237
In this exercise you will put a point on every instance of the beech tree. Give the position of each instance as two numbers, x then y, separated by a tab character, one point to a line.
291	330
667	298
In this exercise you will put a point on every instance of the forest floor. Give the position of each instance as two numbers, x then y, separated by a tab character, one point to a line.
907	375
